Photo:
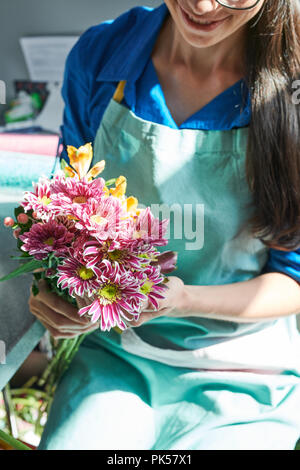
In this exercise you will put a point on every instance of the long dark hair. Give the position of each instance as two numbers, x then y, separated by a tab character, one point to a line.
273	153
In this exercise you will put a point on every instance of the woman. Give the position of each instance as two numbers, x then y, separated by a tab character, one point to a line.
164	99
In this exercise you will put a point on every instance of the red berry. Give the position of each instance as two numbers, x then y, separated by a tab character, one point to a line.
9	222
16	233
22	218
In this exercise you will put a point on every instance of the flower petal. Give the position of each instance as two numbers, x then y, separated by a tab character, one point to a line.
96	170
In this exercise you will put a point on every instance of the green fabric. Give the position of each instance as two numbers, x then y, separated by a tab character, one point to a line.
183	383
182	169
112	400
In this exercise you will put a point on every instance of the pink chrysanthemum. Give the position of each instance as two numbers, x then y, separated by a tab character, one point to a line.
39	200
117	297
74	275
68	223
148	230
67	193
79	243
152	284
101	218
95	252
46	238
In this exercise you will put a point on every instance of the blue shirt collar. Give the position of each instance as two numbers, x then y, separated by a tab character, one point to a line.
137	54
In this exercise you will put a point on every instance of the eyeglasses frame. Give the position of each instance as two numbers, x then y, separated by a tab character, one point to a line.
235	8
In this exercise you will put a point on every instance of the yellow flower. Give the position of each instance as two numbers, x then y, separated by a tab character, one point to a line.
80	161
120	189
96	170
131	204
69	171
106	190
130	207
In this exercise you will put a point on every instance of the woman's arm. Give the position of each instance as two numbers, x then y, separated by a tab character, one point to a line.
263	298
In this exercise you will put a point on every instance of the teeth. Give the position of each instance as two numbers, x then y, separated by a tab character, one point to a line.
199	22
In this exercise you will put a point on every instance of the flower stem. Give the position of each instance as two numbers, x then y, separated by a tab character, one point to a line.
28	391
12	442
60	349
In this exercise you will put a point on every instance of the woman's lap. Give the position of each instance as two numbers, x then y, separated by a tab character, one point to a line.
104	402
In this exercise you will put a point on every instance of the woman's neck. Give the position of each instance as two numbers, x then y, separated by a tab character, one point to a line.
224	57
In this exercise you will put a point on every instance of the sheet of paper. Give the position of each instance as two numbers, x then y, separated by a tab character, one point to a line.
45	56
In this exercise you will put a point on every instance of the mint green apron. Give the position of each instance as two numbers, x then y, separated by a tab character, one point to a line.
184	383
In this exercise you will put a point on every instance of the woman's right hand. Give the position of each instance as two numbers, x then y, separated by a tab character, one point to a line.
57	315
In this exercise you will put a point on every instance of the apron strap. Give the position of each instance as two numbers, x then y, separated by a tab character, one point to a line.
119	93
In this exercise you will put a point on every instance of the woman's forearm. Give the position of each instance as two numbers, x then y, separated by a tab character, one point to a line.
262	298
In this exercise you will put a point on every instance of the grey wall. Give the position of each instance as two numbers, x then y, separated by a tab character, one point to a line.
46	17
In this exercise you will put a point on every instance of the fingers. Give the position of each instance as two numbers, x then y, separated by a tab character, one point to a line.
145	305
55	319
83	301
147	316
56	325
54	302
57	334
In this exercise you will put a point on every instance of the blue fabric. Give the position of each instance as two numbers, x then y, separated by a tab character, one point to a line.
286	262
97	63
222	113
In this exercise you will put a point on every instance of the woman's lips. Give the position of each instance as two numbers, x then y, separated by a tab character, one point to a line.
196	23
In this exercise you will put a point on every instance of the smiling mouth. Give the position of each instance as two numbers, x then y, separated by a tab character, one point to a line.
197	19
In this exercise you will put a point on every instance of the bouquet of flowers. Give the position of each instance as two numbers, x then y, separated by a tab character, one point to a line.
86	238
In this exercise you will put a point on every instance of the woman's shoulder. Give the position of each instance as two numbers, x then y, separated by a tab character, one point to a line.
97	43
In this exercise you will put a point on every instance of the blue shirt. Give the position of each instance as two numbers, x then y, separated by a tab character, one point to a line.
121	49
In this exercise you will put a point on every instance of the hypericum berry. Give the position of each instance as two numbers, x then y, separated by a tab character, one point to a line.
9	222
22	218
16	233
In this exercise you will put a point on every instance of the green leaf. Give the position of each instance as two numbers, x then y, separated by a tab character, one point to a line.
37	276
35	289
110	182
22	257
28	267
63	164
18	210
14	443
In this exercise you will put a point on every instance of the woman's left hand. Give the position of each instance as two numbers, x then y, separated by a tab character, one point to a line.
170	305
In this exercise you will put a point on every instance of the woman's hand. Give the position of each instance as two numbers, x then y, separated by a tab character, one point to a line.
57	315
171	305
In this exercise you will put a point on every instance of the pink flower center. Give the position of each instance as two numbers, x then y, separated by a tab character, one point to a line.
116	255
139	234
80	199
45	200
49	241
85	273
97	219
146	287
109	294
